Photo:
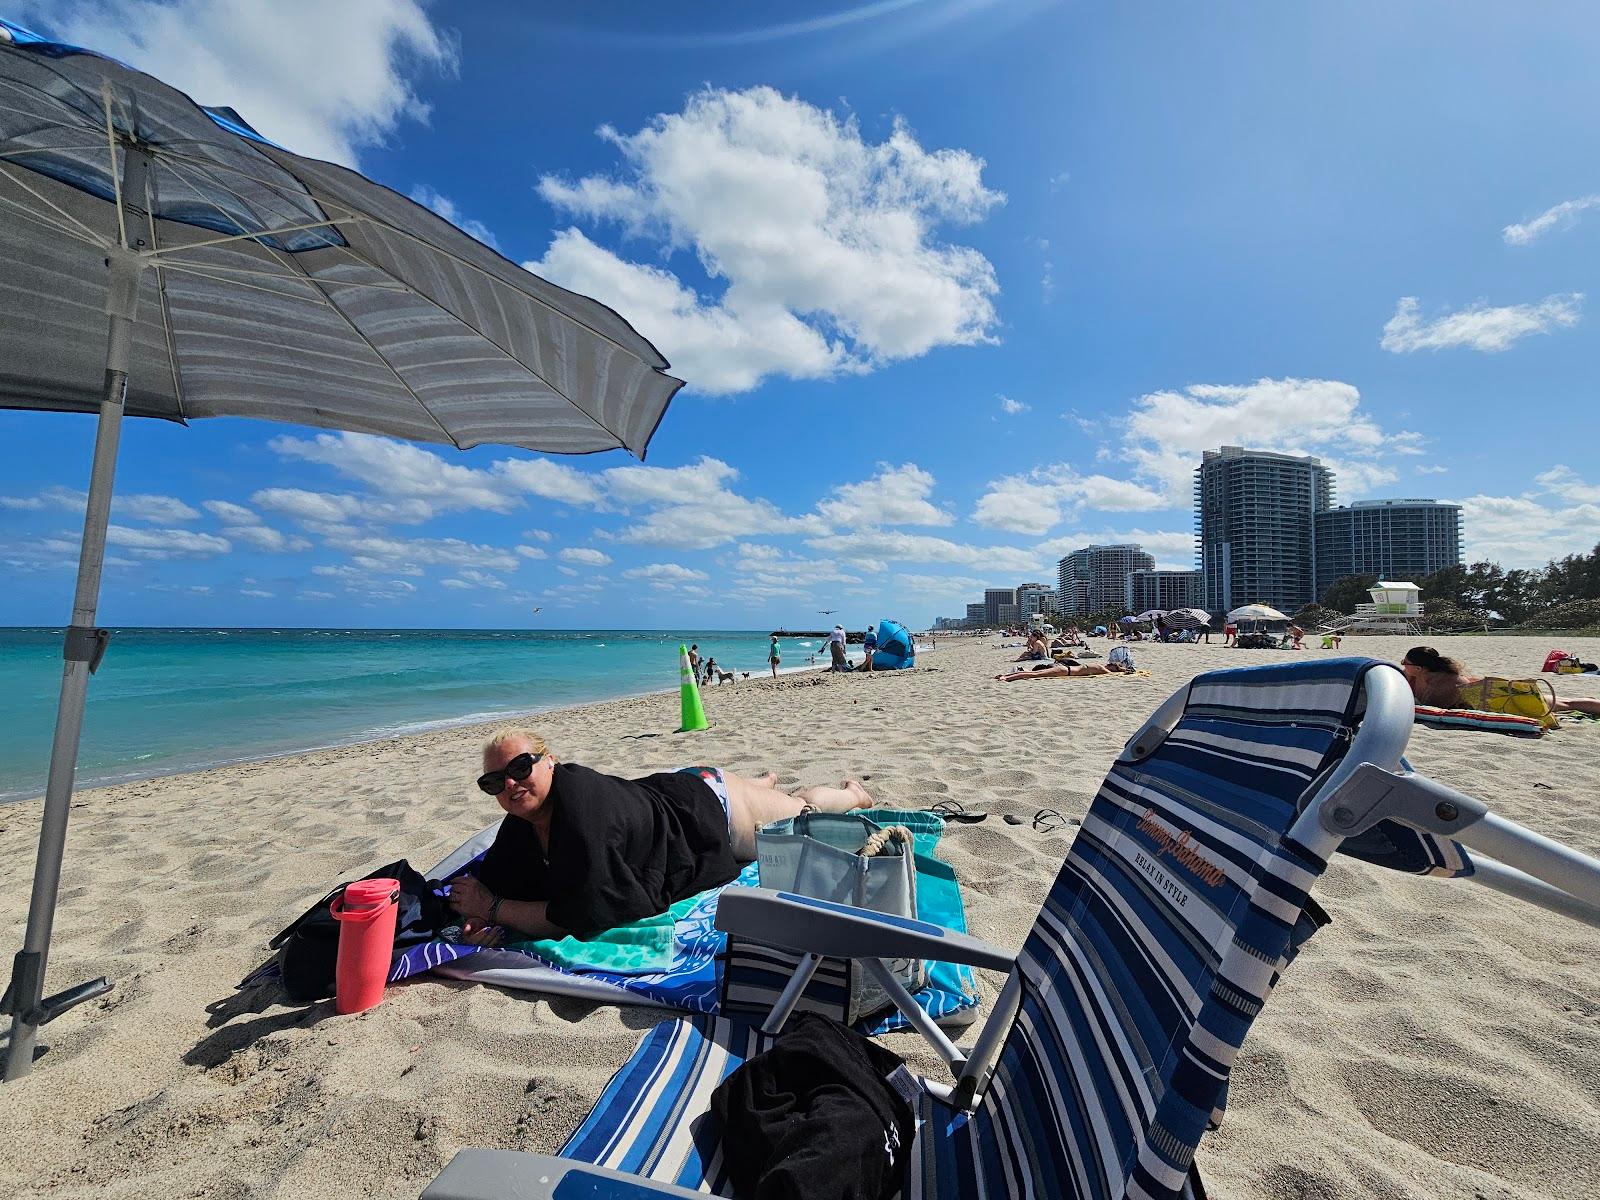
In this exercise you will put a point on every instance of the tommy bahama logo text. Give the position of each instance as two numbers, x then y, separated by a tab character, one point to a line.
1179	850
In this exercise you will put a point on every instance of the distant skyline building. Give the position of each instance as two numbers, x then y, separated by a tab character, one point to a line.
1255	517
1401	540
1095	578
977	614
993	598
1163	589
1030	599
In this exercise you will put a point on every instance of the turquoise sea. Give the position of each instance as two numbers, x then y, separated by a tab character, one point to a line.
167	700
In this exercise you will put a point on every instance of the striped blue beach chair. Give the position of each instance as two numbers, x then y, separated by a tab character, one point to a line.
1107	1054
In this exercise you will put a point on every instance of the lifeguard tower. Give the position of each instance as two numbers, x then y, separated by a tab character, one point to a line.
1396	607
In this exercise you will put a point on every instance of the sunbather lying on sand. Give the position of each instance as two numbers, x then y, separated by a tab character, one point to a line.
579	851
1067	670
1438	681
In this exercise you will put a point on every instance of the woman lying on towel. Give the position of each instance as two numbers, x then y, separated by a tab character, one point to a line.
580	852
1436	680
1069	670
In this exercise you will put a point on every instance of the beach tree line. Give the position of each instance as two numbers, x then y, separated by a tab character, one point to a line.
1563	594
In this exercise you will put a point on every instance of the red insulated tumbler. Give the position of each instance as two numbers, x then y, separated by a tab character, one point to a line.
366	912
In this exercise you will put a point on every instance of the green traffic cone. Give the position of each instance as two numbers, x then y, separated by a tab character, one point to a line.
694	713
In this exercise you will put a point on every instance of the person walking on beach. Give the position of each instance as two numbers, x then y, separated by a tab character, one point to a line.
1230	633
694	663
836	643
772	656
869	646
580	851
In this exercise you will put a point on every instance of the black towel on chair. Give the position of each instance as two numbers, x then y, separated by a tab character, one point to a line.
815	1117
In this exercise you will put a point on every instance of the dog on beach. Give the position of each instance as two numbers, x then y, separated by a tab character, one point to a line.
724	676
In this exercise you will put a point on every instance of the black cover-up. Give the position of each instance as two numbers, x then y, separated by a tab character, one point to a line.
620	849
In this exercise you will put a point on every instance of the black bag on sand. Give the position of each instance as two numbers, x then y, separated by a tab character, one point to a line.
308	949
817	1116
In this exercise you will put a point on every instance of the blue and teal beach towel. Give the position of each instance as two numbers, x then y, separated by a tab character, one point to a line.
675	959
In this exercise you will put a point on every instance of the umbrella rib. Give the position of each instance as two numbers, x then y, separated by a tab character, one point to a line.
539	375
172	344
256	235
116	175
29	92
190	269
383	358
539	300
54	226
203	268
93	237
45	150
169	162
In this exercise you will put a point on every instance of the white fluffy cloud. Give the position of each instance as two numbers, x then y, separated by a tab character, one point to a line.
823	241
135	507
1557	216
1563	481
446	208
1166	432
153	508
1522	531
407	556
879	546
894	496
329	510
668	573
264	537
322	79
1037	502
697	509
1478	326
1172	550
158	544
405	470
585	556
1012	407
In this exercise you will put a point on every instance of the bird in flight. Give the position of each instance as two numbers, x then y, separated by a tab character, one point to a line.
826	612
536	610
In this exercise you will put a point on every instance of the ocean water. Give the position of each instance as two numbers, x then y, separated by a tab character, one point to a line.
167	700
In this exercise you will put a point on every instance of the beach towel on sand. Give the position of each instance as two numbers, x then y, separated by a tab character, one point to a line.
690	978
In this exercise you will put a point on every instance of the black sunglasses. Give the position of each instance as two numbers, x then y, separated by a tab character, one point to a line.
519	768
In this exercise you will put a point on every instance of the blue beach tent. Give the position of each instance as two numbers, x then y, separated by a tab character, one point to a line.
896	649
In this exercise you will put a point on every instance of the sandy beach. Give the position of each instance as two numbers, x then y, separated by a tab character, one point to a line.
1436	1040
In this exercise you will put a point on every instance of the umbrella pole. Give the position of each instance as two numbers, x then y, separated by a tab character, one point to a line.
85	644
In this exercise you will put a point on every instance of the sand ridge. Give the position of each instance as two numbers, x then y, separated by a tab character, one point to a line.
1436	1040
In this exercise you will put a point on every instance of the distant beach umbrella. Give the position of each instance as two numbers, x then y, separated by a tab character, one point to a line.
161	259
1256	612
1189	618
1151	614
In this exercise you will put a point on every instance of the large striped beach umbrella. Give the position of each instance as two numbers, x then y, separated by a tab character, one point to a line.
160	259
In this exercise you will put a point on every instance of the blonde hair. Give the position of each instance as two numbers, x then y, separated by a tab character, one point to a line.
514	733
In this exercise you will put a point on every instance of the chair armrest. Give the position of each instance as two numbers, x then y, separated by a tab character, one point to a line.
840	931
515	1175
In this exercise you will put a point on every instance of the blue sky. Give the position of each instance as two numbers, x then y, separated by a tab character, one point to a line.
957	286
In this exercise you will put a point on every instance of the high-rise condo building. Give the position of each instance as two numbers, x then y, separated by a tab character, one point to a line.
993	598
1392	539
1095	578
1254	512
1163	590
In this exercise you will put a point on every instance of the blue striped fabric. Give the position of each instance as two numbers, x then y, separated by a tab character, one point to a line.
1178	908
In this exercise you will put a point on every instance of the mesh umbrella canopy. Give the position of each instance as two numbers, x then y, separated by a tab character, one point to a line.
161	259
273	286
